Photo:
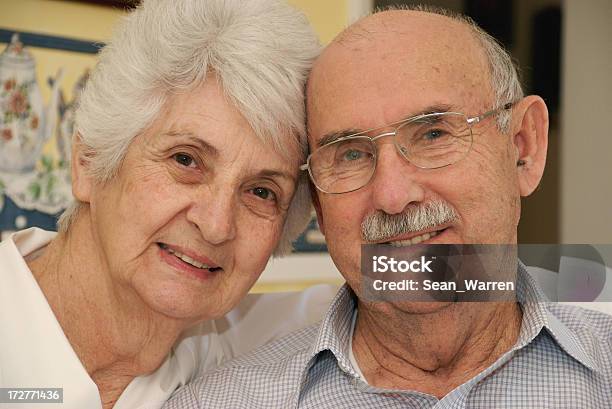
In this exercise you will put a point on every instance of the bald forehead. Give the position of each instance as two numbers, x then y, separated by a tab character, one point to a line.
403	30
418	24
416	52
412	34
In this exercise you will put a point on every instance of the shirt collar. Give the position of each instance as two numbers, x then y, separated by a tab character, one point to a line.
335	329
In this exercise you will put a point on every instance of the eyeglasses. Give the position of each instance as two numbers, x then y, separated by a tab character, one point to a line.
428	141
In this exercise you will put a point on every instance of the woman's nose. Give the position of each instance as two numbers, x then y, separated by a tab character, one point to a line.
214	213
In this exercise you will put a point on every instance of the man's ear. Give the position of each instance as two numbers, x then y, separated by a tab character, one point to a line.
314	194
530	137
81	179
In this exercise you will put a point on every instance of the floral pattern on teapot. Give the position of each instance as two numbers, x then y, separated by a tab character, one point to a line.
25	123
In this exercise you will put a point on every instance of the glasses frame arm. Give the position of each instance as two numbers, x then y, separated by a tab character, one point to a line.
477	119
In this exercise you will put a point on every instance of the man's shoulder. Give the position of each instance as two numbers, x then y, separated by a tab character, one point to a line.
289	347
264	377
592	330
584	320
261	318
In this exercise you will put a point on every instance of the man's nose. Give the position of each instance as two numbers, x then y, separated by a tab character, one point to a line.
214	213
394	185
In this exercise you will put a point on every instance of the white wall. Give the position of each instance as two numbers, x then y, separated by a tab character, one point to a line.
586	134
301	268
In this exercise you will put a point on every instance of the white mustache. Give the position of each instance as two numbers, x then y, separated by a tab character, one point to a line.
380	226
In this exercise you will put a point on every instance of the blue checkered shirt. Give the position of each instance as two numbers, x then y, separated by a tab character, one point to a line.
562	359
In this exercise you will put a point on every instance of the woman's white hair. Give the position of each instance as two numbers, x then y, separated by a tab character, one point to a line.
260	50
505	80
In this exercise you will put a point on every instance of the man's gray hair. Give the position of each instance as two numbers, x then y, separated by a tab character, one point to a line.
261	51
505	80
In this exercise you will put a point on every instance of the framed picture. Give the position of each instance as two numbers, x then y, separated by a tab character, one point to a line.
36	122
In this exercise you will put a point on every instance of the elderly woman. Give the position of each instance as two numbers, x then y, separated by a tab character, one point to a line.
184	170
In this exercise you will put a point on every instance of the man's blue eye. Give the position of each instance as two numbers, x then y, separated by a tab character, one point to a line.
353	155
433	134
184	159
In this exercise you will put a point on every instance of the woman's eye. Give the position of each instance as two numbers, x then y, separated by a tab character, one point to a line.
184	160
263	193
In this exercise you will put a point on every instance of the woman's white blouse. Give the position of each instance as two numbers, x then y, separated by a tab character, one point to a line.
35	353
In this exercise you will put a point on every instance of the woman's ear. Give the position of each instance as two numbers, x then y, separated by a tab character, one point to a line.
530	137
79	170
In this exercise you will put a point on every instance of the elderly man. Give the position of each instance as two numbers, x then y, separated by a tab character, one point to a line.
458	182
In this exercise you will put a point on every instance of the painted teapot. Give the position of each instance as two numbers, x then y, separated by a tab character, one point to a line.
25	123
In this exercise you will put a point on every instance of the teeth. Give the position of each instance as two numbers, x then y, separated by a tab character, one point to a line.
185	258
414	240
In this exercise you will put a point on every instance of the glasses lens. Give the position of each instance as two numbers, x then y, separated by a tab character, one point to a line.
343	166
435	140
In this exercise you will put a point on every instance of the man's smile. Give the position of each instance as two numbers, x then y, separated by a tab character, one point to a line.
412	238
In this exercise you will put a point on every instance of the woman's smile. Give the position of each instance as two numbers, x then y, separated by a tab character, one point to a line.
188	261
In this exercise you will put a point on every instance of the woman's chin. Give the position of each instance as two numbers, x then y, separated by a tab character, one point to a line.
177	299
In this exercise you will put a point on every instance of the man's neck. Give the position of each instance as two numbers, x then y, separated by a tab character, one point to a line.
434	352
114	334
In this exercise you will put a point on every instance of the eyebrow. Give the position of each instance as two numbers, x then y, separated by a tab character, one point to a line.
192	138
335	135
332	136
268	173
